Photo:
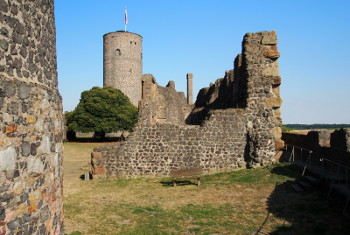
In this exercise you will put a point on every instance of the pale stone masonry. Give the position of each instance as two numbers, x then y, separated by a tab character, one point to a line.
122	63
189	88
162	104
235	123
31	120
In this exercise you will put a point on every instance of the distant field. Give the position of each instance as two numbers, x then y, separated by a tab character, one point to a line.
256	201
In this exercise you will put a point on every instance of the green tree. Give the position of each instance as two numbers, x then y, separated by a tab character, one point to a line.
102	110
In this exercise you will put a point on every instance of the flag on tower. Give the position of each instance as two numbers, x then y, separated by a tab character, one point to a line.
125	16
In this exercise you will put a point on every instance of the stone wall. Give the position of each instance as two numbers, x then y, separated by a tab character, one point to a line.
312	140
31	120
154	149
234	123
324	144
340	140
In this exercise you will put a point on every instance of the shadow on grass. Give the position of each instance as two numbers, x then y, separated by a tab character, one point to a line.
96	140
307	212
178	183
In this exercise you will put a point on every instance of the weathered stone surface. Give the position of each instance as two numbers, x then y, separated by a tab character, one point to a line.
277	112
4	32
271	54
162	104
2	213
8	159
99	170
274	102
269	38
25	146
11	128
270	71
31	116
189	88
96	155
279	144
122	67
276	81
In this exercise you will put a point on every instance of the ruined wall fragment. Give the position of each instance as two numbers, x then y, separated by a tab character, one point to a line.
162	104
263	102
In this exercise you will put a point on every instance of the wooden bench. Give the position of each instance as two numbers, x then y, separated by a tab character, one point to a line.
191	173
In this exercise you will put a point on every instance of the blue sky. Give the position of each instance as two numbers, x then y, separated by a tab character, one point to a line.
204	36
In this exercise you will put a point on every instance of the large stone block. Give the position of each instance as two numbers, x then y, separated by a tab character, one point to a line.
276	81
99	170
96	155
8	159
279	144
270	53
270	72
274	102
269	38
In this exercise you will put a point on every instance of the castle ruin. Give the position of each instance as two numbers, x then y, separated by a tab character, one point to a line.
234	123
31	198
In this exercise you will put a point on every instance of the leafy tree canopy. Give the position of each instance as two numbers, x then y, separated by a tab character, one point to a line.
102	110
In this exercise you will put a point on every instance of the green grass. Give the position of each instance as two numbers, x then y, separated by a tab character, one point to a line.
76	233
238	202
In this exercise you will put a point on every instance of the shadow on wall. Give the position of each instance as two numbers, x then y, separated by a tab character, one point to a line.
304	212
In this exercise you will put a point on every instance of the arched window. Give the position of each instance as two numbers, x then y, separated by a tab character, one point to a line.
118	52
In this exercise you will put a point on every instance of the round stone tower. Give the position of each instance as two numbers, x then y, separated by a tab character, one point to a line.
31	147
122	63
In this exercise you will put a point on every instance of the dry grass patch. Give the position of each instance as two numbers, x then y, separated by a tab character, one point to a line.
239	202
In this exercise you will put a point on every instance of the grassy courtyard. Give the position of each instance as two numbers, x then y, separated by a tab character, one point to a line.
256	201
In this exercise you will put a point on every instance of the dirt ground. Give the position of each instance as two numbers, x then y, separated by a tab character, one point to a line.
76	162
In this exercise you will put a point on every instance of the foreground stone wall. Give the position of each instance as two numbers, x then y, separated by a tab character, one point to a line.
31	120
235	122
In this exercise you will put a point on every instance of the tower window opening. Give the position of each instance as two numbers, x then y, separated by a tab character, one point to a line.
118	52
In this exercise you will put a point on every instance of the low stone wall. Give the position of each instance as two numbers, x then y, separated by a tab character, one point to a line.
312	140
154	149
324	144
340	140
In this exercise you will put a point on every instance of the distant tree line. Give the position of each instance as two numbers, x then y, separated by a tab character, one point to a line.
316	126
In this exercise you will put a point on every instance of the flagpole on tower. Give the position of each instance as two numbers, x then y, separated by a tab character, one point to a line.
125	18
